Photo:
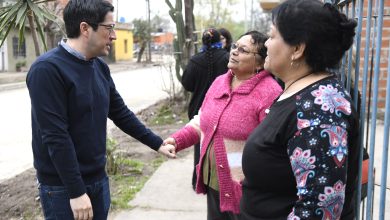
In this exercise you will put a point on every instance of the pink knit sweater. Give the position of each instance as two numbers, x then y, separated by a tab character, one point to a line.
227	118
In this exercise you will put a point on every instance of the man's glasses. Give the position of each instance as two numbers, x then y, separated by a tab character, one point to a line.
109	27
241	49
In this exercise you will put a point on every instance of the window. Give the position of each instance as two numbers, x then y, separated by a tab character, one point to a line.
18	51
125	45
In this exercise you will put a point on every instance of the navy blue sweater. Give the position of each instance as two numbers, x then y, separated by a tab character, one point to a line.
70	102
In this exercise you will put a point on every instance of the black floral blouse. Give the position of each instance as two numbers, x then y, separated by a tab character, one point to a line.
304	148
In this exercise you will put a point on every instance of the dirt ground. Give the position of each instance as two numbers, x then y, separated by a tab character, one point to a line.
19	195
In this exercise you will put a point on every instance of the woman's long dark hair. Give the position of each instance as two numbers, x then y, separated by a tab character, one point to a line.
211	40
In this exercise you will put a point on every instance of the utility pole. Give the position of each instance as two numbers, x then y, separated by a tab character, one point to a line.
252	17
117	9
150	34
246	18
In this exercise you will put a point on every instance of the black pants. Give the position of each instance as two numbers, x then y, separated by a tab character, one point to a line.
213	210
196	161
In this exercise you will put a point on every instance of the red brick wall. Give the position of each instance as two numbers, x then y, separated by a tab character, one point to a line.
384	51
166	38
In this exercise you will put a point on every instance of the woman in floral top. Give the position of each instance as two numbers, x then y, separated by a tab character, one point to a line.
301	161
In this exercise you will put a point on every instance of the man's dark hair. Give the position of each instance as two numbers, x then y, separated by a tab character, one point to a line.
92	12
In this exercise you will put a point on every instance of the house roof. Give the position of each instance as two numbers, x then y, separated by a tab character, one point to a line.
123	26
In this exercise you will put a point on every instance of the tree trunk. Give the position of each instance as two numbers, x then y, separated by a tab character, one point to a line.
141	51
182	53
189	28
33	34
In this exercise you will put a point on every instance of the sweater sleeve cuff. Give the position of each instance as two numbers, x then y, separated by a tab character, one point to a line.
185	137
155	143
76	190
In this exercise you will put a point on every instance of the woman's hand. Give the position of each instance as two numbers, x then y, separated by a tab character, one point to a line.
168	148
170	140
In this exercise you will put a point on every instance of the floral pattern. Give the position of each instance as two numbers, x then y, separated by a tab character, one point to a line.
302	165
338	142
331	201
331	100
319	149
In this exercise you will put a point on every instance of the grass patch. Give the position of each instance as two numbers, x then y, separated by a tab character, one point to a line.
129	180
158	161
127	187
164	116
129	166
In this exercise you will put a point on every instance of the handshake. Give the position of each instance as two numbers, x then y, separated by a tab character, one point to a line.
168	148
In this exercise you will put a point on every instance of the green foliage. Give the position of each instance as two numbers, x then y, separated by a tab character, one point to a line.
218	14
15	16
165	116
129	166
157	162
235	28
128	186
159	22
20	64
112	163
141	35
129	183
141	30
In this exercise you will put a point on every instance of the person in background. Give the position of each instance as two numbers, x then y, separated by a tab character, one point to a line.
226	39
72	94
234	105
201	71
301	162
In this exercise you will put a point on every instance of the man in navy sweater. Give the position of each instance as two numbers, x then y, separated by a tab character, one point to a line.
72	94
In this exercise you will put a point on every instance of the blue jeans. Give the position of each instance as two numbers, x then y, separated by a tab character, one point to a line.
55	200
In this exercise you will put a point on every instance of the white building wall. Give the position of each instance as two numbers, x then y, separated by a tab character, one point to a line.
4	57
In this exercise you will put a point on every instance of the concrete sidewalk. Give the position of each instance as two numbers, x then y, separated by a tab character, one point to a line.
168	194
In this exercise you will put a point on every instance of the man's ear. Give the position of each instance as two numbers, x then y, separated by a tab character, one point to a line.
299	50
84	29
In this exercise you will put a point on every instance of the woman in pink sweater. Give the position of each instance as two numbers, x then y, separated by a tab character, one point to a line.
234	105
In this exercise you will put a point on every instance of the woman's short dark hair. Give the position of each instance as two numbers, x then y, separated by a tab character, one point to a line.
226	34
325	31
92	12
259	40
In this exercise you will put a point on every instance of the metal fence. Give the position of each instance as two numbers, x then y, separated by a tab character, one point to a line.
362	64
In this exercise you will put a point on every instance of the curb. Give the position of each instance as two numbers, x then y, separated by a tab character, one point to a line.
114	68
11	86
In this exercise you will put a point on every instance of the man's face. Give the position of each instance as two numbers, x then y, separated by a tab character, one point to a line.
100	41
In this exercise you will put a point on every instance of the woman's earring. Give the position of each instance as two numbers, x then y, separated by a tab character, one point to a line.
292	62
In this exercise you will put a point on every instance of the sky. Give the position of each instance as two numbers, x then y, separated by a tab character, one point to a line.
131	9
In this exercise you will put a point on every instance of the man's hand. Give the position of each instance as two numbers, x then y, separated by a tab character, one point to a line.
168	150
81	208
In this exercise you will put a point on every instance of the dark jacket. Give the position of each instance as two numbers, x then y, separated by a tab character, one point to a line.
196	78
